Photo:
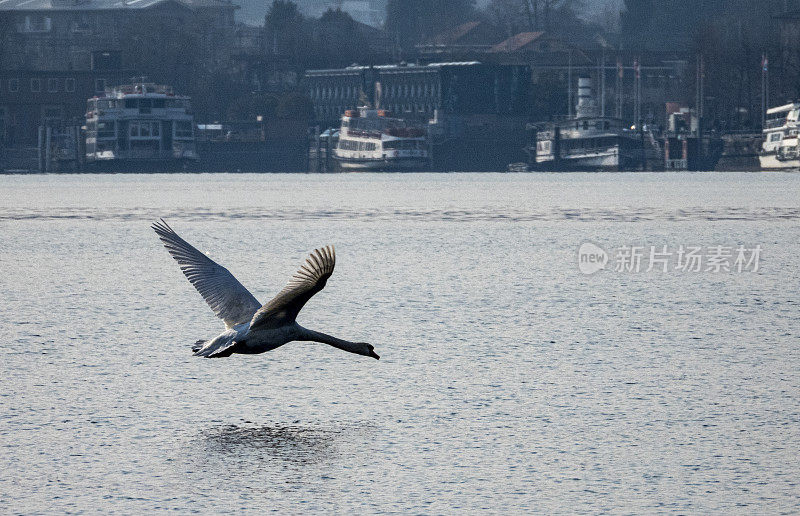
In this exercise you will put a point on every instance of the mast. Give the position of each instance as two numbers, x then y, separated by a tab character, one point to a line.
603	84
569	84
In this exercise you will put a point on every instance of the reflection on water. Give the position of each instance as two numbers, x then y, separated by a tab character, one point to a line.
289	443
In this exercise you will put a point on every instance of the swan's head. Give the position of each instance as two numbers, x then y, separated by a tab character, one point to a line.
368	350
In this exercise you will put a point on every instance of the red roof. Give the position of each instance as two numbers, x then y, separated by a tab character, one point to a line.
452	36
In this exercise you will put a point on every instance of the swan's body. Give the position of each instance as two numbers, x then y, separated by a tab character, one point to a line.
250	327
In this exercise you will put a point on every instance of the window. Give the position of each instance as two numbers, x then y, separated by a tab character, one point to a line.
52	85
69	85
99	85
34	23
106	129
774	137
183	129
36	85
144	129
82	24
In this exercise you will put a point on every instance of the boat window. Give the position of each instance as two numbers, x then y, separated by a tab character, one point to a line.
106	129
144	106
183	129
774	137
606	125
158	103
585	125
144	129
131	104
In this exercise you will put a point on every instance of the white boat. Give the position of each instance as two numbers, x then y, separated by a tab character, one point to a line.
779	148
370	139
588	141
140	126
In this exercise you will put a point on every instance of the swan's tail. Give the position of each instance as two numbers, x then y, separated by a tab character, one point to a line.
221	346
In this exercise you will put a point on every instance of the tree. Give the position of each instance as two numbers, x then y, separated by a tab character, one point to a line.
252	105
285	31
414	21
558	17
295	106
511	16
339	39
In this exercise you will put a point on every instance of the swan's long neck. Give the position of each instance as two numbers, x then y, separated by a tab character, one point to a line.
316	336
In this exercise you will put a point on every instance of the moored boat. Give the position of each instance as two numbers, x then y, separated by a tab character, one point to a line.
779	148
587	141
371	139
140	127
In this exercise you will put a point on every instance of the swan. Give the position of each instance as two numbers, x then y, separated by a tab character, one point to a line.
249	327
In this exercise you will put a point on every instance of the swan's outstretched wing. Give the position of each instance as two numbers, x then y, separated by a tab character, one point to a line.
229	300
307	281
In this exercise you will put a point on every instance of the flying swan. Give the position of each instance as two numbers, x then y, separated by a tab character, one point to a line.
249	327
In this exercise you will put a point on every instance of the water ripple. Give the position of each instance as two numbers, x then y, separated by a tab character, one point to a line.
615	214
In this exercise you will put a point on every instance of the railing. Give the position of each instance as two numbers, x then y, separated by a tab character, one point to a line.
775	122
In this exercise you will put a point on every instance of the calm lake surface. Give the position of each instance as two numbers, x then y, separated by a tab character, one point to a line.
508	380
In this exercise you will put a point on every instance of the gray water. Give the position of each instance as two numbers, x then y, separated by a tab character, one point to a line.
508	380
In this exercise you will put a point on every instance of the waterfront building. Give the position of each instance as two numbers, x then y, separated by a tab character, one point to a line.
420	91
54	54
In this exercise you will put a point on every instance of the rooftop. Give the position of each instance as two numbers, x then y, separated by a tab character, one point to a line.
410	66
516	42
99	5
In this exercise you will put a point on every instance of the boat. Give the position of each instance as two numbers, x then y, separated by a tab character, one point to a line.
140	126
586	141
371	139
779	147
685	145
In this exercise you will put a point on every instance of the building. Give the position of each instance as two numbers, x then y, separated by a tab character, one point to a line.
422	91
29	99
54	54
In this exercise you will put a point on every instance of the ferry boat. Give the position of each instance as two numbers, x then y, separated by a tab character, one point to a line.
140	127
587	141
779	148
371	139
